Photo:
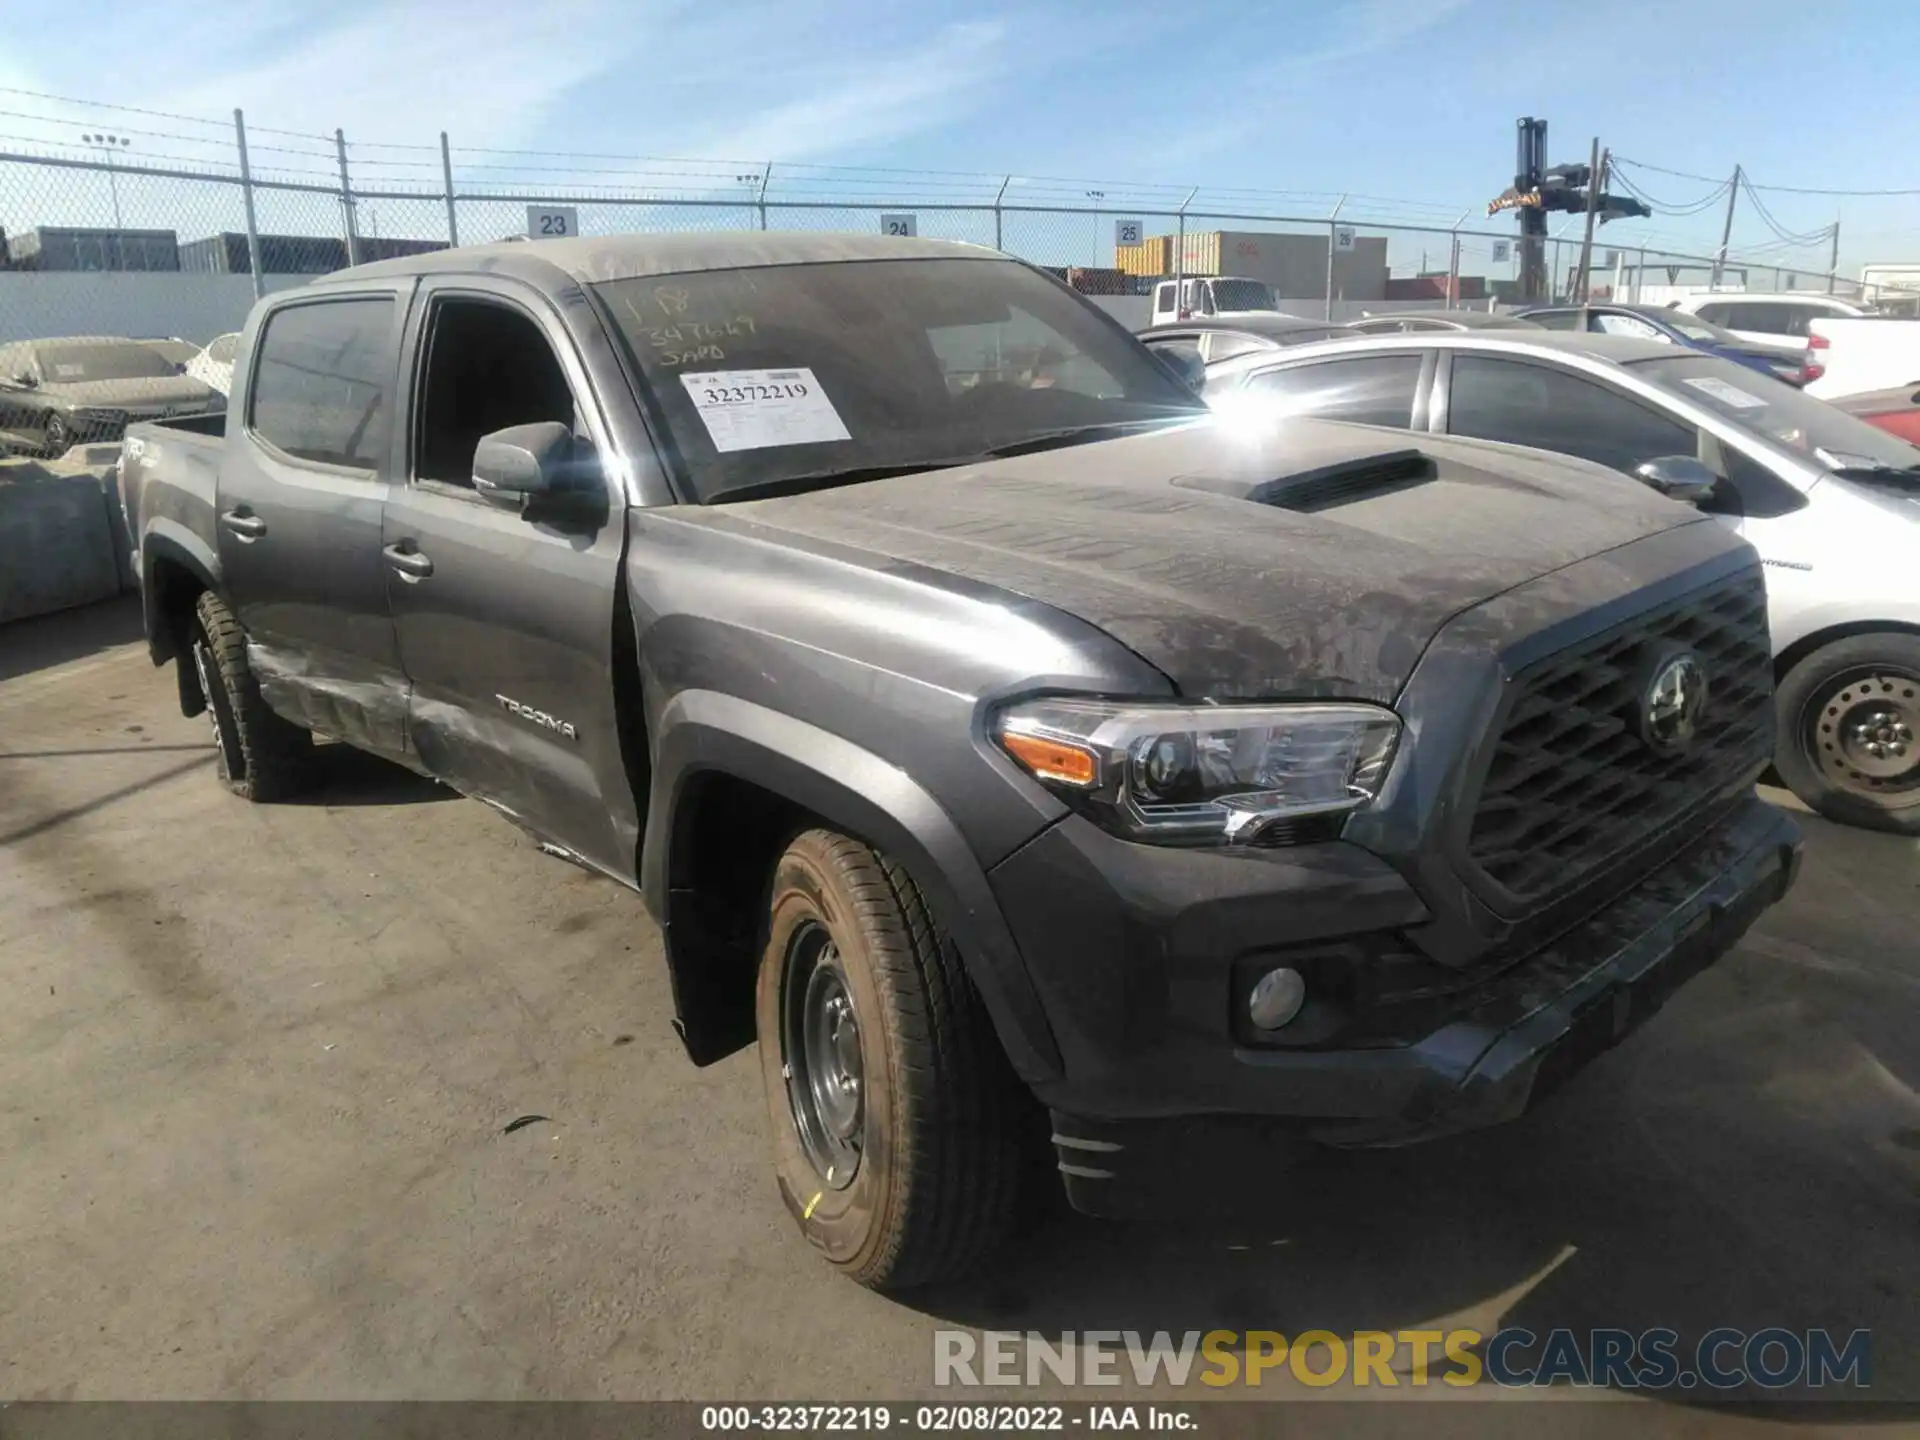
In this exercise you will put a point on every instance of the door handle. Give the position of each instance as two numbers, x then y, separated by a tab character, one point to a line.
411	564
247	527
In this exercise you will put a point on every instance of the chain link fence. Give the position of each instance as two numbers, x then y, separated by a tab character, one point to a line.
175	247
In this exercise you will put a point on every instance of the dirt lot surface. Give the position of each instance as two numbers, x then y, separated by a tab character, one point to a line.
256	1064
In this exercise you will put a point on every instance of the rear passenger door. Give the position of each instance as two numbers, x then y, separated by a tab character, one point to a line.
506	615
303	480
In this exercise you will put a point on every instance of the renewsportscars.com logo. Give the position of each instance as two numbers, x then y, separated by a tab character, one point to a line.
1721	1359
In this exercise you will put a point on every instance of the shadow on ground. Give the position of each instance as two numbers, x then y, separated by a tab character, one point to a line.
48	640
1751	1158
345	776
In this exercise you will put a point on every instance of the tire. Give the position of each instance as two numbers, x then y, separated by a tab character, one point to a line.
1848	734
262	757
941	1124
59	439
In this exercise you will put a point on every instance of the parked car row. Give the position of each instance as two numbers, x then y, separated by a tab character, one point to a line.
87	389
1017	749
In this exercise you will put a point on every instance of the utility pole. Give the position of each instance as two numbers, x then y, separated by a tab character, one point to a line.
1726	230
1833	258
1596	182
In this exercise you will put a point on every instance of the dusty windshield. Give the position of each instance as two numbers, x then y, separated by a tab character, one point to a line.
1779	413
1242	295
778	377
79	364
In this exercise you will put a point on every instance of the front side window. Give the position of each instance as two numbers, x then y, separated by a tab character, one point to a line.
1369	390
1556	319
1224	345
787	377
320	384
1525	404
488	367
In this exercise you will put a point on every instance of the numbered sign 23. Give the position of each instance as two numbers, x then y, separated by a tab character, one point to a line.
550	222
899	225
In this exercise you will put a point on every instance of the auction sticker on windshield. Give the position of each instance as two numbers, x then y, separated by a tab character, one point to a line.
1718	389
756	409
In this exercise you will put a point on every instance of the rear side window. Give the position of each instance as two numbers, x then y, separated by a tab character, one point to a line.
1556	319
322	382
1524	404
1373	390
1182	347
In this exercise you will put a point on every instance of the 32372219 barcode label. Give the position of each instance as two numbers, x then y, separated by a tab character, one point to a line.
758	409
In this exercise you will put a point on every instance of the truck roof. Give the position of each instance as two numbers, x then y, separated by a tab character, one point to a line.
595	259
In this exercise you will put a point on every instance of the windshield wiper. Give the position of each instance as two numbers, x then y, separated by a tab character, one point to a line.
825	480
1075	435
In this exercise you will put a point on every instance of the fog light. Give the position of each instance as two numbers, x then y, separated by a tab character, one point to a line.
1276	998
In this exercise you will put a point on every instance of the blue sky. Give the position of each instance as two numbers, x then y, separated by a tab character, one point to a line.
1409	100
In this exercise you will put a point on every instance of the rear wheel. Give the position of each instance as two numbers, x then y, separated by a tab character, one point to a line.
1849	731
261	756
899	1128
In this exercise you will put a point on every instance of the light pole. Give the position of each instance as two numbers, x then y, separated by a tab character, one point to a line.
1097	196
107	144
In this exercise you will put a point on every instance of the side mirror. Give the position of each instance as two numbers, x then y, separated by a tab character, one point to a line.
523	460
1678	477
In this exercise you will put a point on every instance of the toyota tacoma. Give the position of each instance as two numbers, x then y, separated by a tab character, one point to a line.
1011	751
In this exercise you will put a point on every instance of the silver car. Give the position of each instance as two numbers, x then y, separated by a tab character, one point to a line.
86	389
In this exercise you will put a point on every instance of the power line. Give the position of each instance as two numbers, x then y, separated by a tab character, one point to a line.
1778	189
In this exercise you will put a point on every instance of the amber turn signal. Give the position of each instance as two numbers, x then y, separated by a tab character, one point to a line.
1052	759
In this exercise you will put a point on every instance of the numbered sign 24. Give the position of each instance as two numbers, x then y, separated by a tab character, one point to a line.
898	225
552	222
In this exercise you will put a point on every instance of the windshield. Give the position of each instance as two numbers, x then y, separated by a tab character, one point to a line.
778	377
80	364
1779	413
1242	295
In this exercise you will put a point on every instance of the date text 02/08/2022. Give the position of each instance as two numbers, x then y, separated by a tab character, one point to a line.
944	1419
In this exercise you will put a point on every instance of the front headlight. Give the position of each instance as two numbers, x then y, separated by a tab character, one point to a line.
1200	773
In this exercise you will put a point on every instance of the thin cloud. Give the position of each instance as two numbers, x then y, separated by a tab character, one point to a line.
863	99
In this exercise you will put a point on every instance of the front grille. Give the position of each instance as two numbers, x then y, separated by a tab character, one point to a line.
1572	785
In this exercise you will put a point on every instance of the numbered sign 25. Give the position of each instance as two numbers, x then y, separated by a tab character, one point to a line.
552	222
899	225
1128	232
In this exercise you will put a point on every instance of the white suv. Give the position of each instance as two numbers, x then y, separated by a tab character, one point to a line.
1782	319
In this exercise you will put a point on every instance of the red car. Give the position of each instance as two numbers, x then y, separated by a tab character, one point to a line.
1896	411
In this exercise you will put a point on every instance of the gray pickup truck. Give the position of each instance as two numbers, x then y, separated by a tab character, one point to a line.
996	737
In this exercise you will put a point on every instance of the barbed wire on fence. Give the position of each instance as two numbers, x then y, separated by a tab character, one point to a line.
265	213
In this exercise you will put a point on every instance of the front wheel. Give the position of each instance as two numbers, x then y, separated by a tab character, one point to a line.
1848	718
898	1126
58	438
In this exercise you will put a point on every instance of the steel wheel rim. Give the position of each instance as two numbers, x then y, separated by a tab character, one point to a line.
820	1043
224	745
1862	731
58	437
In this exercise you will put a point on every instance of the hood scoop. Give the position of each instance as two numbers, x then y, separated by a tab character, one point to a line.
1310	491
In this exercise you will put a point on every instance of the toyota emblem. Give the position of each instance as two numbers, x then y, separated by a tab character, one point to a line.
1673	703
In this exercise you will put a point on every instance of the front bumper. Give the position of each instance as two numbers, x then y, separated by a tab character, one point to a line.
1500	1043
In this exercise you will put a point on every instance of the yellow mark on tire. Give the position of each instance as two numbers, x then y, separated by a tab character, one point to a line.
807	1214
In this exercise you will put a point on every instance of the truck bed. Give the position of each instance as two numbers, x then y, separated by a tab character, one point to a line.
167	478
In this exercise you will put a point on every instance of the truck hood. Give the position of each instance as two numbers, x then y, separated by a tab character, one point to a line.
1299	559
